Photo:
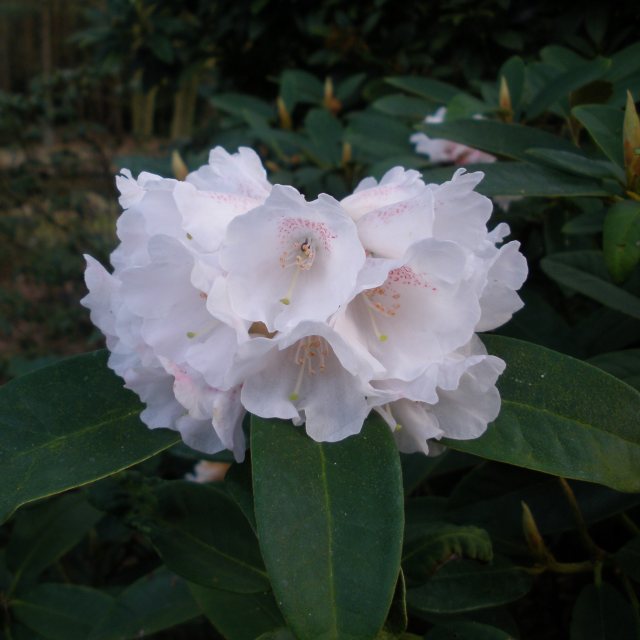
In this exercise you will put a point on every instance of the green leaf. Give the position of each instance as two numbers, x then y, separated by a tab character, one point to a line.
523	179
464	585
624	63
238	616
300	87
67	425
185	528
562	85
464	630
330	526
621	239
576	163
62	611
238	484
403	106
628	558
621	364
378	134
561	416
584	272
157	601
325	133
44	532
397	620
435	542
587	223
236	103
429	88
604	125
278	634
601	613
508	140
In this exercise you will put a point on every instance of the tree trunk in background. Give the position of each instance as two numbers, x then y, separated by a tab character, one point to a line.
5	69
47	68
184	107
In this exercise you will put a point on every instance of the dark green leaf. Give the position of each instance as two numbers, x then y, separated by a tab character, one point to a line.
584	272
628	558
587	223
429	88
621	364
576	163
398	104
237	482
44	532
157	601
236	103
298	86
238	616
436	542
185	527
467	631
67	425
397	620
523	179
330	525
62	611
621	239
601	613
587	430
509	140
604	125
465	585
378	134
565	83
325	132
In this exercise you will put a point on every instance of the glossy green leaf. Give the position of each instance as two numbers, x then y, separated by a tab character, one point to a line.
378	134
576	163
67	425
584	272
398	619
435	542
621	364
278	634
561	416
435	90
44	532
238	616
330	523
157	601
601	613
238	484
523	179
325	134
464	630
621	239
624	63
628	558
464	585
297	86
587	223
404	106
500	138
604	125
236	103
561	86
61	611
185	528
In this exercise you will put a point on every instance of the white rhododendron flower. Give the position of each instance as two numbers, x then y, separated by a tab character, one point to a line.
231	295
446	151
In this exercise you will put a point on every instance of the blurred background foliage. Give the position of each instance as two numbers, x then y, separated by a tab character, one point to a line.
328	93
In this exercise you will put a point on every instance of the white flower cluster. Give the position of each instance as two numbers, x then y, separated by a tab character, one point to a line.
230	294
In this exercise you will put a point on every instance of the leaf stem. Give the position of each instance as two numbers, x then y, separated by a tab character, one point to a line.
596	552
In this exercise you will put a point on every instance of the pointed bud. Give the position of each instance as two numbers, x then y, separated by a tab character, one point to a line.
330	102
506	108
284	115
532	534
631	142
347	153
178	165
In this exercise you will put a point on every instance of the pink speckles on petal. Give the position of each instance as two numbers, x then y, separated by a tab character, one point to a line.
407	276
319	230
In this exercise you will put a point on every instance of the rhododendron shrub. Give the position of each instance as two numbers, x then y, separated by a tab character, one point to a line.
229	294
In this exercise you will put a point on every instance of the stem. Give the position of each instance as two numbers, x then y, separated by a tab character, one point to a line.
630	524
633	598
583	530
